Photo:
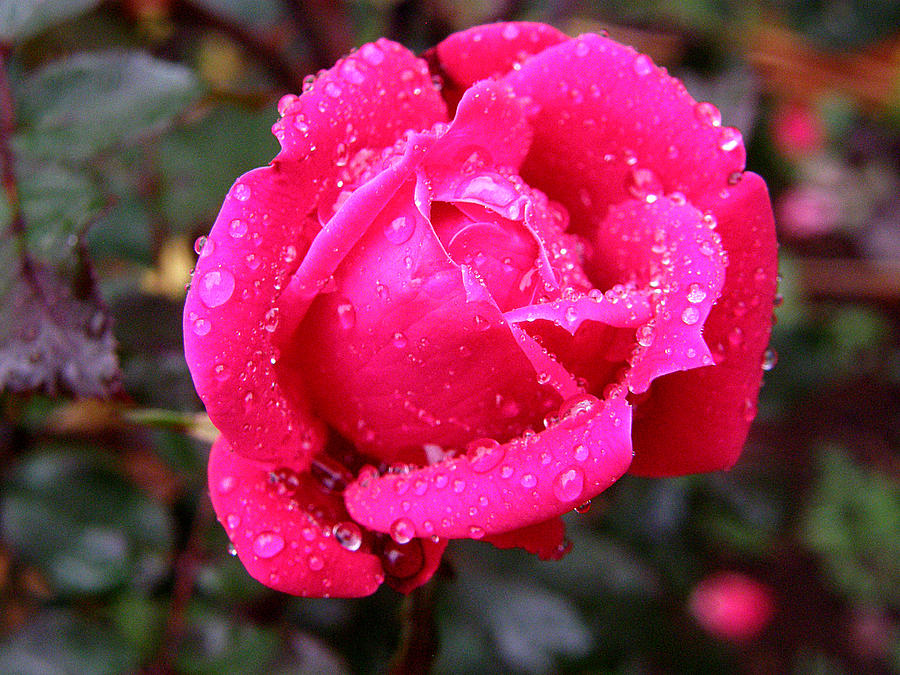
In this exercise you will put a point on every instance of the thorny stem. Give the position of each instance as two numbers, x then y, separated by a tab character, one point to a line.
418	640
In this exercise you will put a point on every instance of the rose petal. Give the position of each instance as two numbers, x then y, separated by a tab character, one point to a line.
606	112
424	360
546	540
483	51
281	522
706	413
673	249
497	488
263	231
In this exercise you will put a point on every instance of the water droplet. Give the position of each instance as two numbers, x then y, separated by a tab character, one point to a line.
480	322
476	532
216	287
569	484
581	48
232	549
237	228
528	480
301	126
232	521
348	535
221	372
583	508
399	230
351	73
708	113
578	406
200	244
730	139
202	326
285	103
333	90
510	31
372	54
270	320
770	358
643	184
696	293
227	484
643	65
399	340
268	544
645	334
346	315
242	192
315	563
581	453
690	315
484	454
736	337
403	530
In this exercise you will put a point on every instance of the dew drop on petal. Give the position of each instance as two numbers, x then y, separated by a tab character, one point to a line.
511	31
372	54
270	320
200	244
484	454
315	563
399	230
583	508
708	113
227	484
528	480
242	192
348	535
402	530
346	315
578	405
696	294
770	359
268	544
690	315
581	453
232	521
237	228
399	340
216	287
730	139
643	65
202	326
476	532
645	334
569	484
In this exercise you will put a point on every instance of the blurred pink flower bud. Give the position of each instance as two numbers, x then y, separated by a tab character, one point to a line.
732	606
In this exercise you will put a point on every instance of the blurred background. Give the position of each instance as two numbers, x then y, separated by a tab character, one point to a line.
122	125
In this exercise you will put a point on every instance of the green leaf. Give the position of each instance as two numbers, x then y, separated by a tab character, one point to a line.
21	19
87	103
221	643
60	642
83	525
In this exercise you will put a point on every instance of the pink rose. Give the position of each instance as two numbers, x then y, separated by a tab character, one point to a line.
419	325
732	606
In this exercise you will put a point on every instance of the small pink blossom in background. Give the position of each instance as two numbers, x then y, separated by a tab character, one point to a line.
732	606
808	210
797	130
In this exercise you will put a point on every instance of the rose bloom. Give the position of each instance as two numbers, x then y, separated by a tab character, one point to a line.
732	606
469	293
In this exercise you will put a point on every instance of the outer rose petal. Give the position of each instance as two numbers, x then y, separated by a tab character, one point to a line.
698	420
283	533
605	112
480	52
502	488
263	230
546	540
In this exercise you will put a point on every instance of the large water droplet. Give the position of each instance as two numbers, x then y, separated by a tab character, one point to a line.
346	315
484	454
569	484
268	544
690	315
242	192
216	287
578	406
708	113
643	65
348	535
399	230
403	530
696	294
770	359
